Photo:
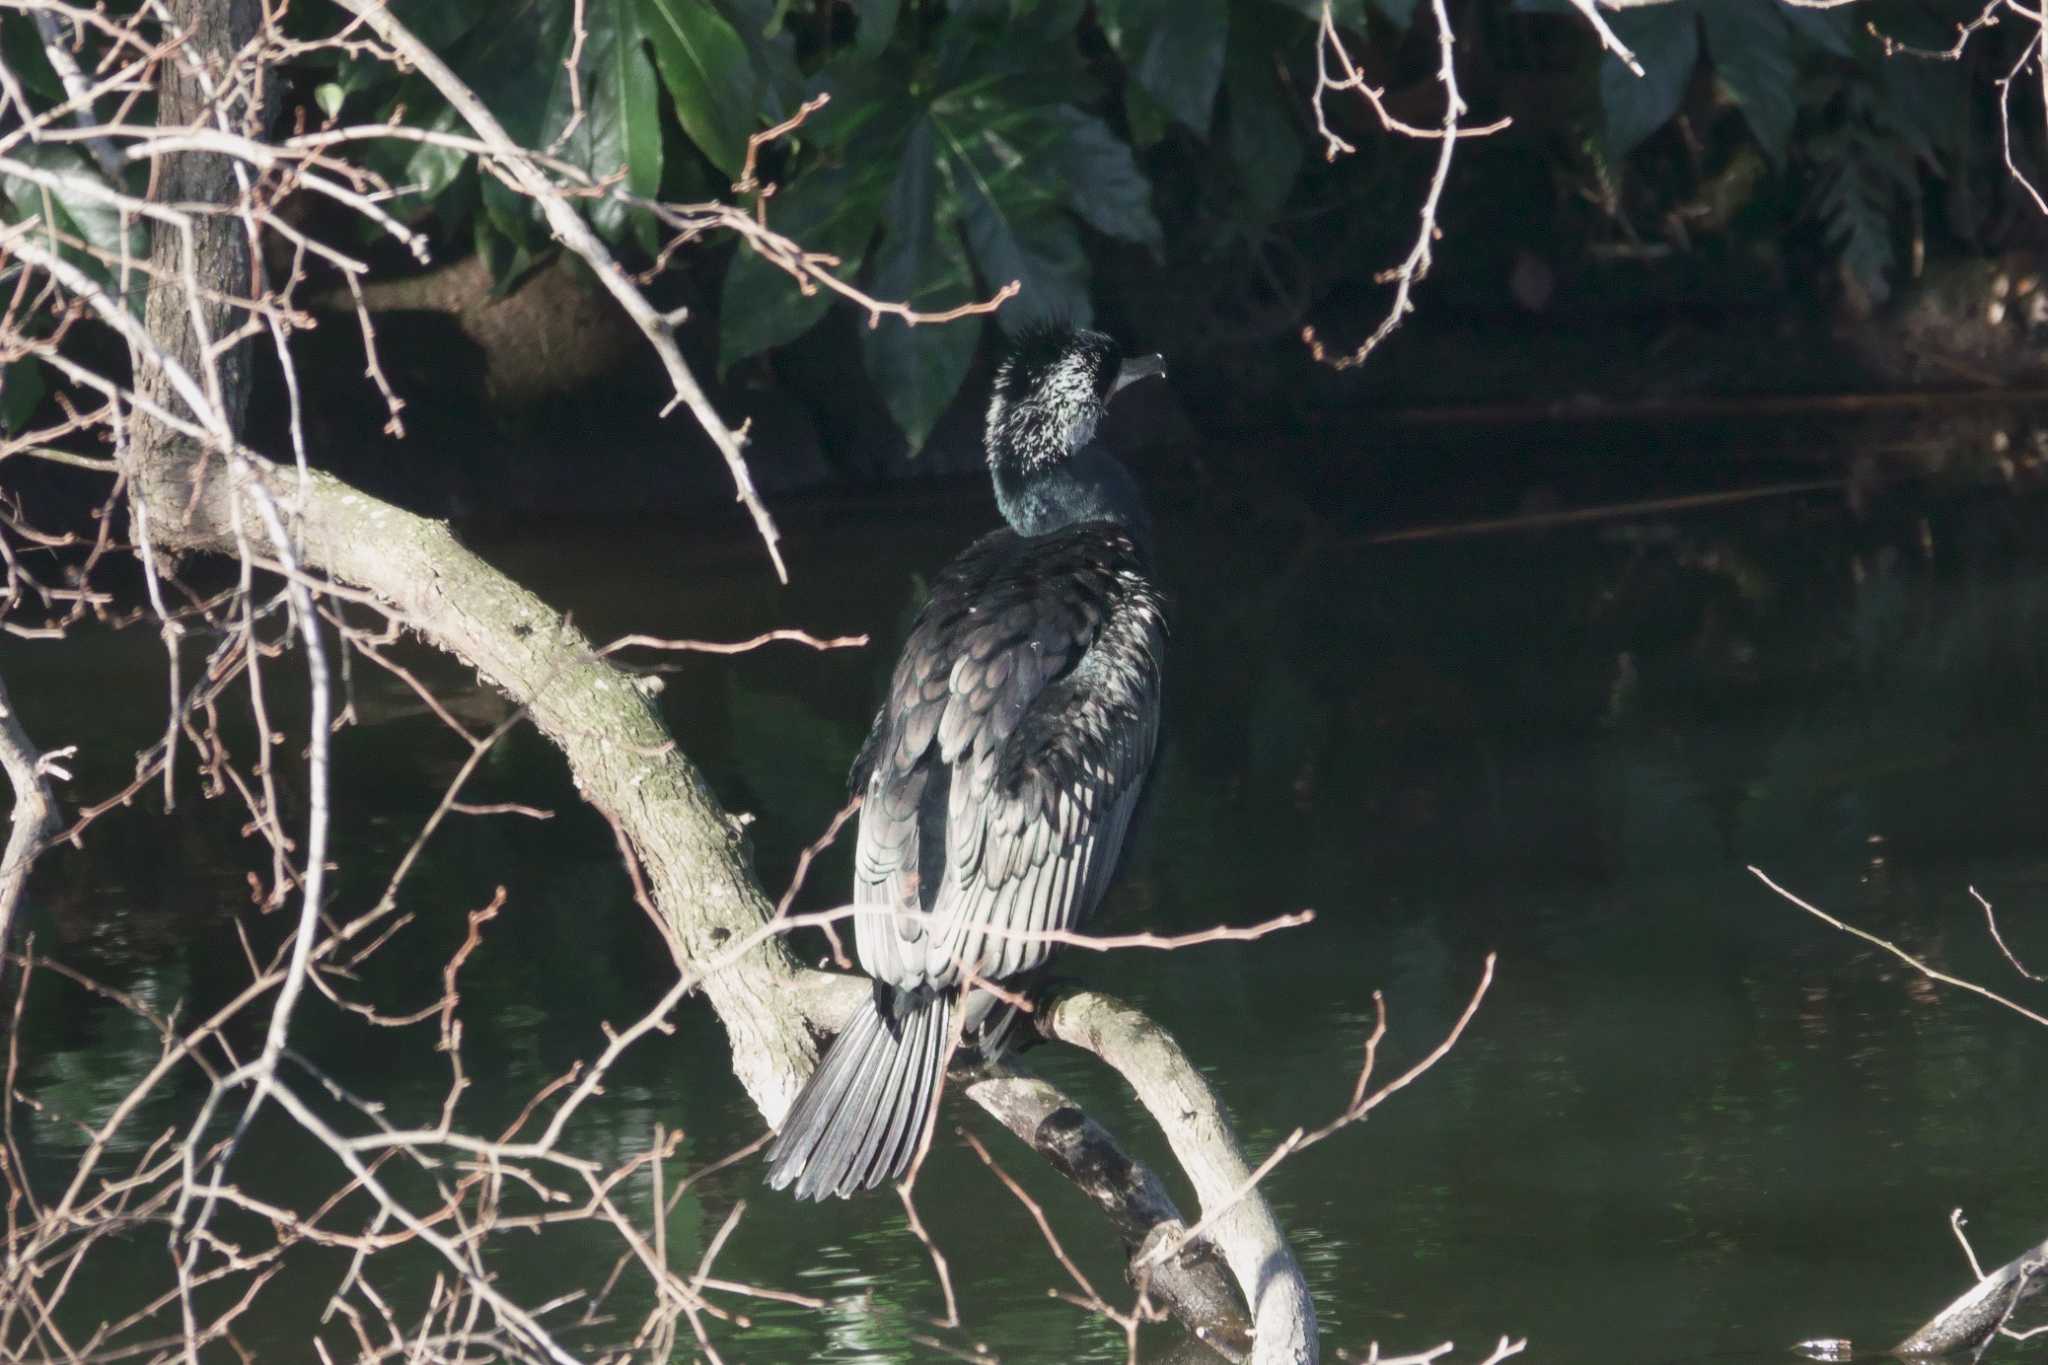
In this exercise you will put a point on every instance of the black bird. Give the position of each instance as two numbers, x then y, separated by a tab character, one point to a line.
1002	768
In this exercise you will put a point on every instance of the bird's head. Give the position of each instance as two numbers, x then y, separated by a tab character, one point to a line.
1050	393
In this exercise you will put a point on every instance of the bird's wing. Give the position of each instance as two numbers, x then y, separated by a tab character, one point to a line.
897	869
1036	713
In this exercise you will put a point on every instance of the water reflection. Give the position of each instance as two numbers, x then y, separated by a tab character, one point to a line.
1688	1124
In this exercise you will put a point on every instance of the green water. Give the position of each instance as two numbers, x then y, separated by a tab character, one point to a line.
1689	1124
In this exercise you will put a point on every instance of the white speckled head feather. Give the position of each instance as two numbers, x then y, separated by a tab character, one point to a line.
1050	393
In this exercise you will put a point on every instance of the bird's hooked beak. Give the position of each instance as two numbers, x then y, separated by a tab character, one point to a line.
1136	368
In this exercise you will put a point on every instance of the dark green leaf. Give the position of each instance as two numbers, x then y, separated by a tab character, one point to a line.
1855	201
772	49
832	210
1833	31
1015	219
514	64
705	66
508	259
440	24
919	369
633	86
1926	105
71	206
1174	48
1261	138
869	101
874	24
1102	179
989	62
21	391
1666	40
428	169
1400	13
1147	120
1038	249
1029	20
1752	52
620	121
1349	14
21	51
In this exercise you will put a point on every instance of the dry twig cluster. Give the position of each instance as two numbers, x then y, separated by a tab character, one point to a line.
336	578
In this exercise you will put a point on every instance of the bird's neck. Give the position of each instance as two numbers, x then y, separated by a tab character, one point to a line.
1091	485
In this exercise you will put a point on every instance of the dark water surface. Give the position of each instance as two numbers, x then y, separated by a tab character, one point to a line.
1690	1123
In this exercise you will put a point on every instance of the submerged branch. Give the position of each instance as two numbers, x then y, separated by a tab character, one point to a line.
1188	1284
1983	1310
1239	1221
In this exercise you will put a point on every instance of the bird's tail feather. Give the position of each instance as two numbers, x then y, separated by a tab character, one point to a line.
861	1117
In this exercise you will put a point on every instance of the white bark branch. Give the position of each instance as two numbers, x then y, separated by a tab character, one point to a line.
35	811
575	234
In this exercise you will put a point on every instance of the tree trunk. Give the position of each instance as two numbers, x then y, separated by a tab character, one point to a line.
185	322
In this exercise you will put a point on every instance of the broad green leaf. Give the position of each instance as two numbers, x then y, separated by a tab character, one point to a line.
71	207
1038	249
509	259
991	64
428	169
1102	180
1400	13
440	24
1174	48
831	210
1926	105
1666	40
870	103
772	49
1014	215
704	64
21	52
1027	20
619	124
874	25
329	97
1349	14
919	369
514	64
512	215
1260	136
21	390
1148	122
639	102
1752	53
1833	31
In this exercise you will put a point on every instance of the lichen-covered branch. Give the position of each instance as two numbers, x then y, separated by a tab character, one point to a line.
34	813
620	754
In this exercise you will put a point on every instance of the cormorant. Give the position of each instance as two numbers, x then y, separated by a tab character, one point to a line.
1002	767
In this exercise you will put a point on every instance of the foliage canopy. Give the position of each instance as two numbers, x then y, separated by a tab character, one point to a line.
968	143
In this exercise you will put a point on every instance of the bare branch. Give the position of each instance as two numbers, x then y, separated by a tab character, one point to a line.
574	233
1931	973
